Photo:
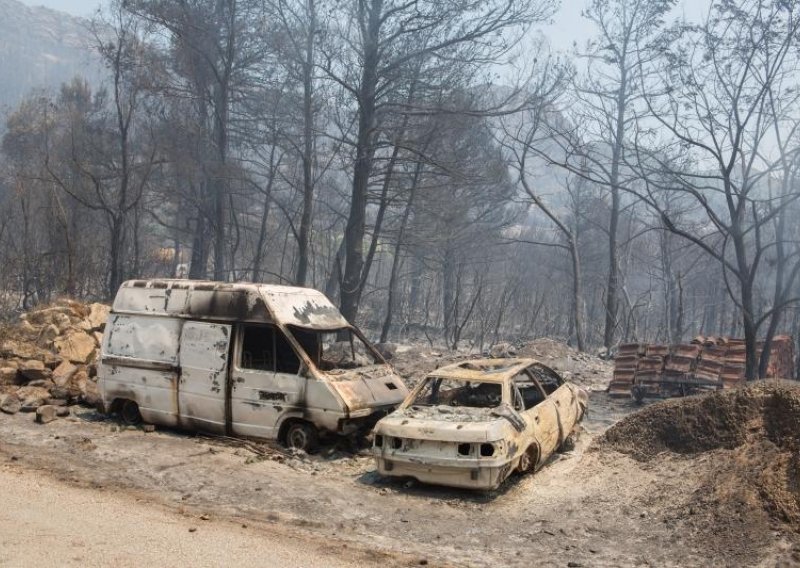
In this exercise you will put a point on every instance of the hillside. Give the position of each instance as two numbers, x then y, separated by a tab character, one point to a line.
40	47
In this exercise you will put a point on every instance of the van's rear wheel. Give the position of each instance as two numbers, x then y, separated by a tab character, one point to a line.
302	436
129	413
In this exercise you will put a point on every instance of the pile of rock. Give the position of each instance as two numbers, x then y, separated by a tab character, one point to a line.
47	360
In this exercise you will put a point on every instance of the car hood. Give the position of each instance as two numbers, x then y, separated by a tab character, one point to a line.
445	423
368	387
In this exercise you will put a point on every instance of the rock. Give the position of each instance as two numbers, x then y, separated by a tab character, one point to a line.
387	350
98	337
77	385
47	335
61	393
17	349
55	401
34	370
90	394
98	314
76	346
149	427
8	376
45	414
10	404
63	373
32	397
62	411
44	383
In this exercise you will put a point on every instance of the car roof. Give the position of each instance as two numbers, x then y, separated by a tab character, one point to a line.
485	370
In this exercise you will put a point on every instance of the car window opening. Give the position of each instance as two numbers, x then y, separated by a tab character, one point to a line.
549	380
334	348
266	348
530	393
449	392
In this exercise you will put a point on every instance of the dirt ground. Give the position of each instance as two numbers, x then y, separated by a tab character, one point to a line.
584	508
44	522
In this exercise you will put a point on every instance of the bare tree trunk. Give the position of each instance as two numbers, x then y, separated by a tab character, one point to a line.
387	322
308	149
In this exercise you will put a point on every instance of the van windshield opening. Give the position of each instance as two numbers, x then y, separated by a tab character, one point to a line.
334	348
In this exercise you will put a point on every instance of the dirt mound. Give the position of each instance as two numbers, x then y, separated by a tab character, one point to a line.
744	444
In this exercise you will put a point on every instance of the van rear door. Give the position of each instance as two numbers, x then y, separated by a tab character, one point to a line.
204	371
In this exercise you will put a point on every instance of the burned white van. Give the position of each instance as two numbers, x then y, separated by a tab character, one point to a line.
240	359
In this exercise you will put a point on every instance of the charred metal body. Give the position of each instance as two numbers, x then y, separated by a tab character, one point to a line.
472	424
242	359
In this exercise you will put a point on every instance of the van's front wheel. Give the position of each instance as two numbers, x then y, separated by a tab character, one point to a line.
301	436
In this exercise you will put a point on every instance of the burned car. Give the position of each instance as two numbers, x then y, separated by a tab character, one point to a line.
241	359
472	424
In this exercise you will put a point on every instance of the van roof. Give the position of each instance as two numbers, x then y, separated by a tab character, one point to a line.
229	301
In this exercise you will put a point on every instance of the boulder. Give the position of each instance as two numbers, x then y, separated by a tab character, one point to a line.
98	314
8	376
76	387
76	346
98	337
32	397
90	394
45	414
62	411
10	403
34	370
63	373
44	383
47	335
60	393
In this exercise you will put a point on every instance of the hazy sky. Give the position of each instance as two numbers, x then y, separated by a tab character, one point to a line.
567	28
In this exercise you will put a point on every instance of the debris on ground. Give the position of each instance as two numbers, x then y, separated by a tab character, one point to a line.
414	362
48	359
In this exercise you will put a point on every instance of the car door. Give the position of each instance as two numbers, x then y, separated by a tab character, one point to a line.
563	397
265	381
539	412
202	387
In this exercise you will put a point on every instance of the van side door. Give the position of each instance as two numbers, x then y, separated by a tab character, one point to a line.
204	374
266	383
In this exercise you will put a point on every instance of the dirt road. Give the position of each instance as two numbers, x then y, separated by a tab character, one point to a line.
44	522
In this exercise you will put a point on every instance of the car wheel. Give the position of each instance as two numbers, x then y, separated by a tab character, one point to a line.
568	444
527	461
302	436
129	413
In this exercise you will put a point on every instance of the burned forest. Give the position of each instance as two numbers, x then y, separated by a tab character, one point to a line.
400	282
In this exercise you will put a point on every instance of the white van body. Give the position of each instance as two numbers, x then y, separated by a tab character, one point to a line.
241	359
